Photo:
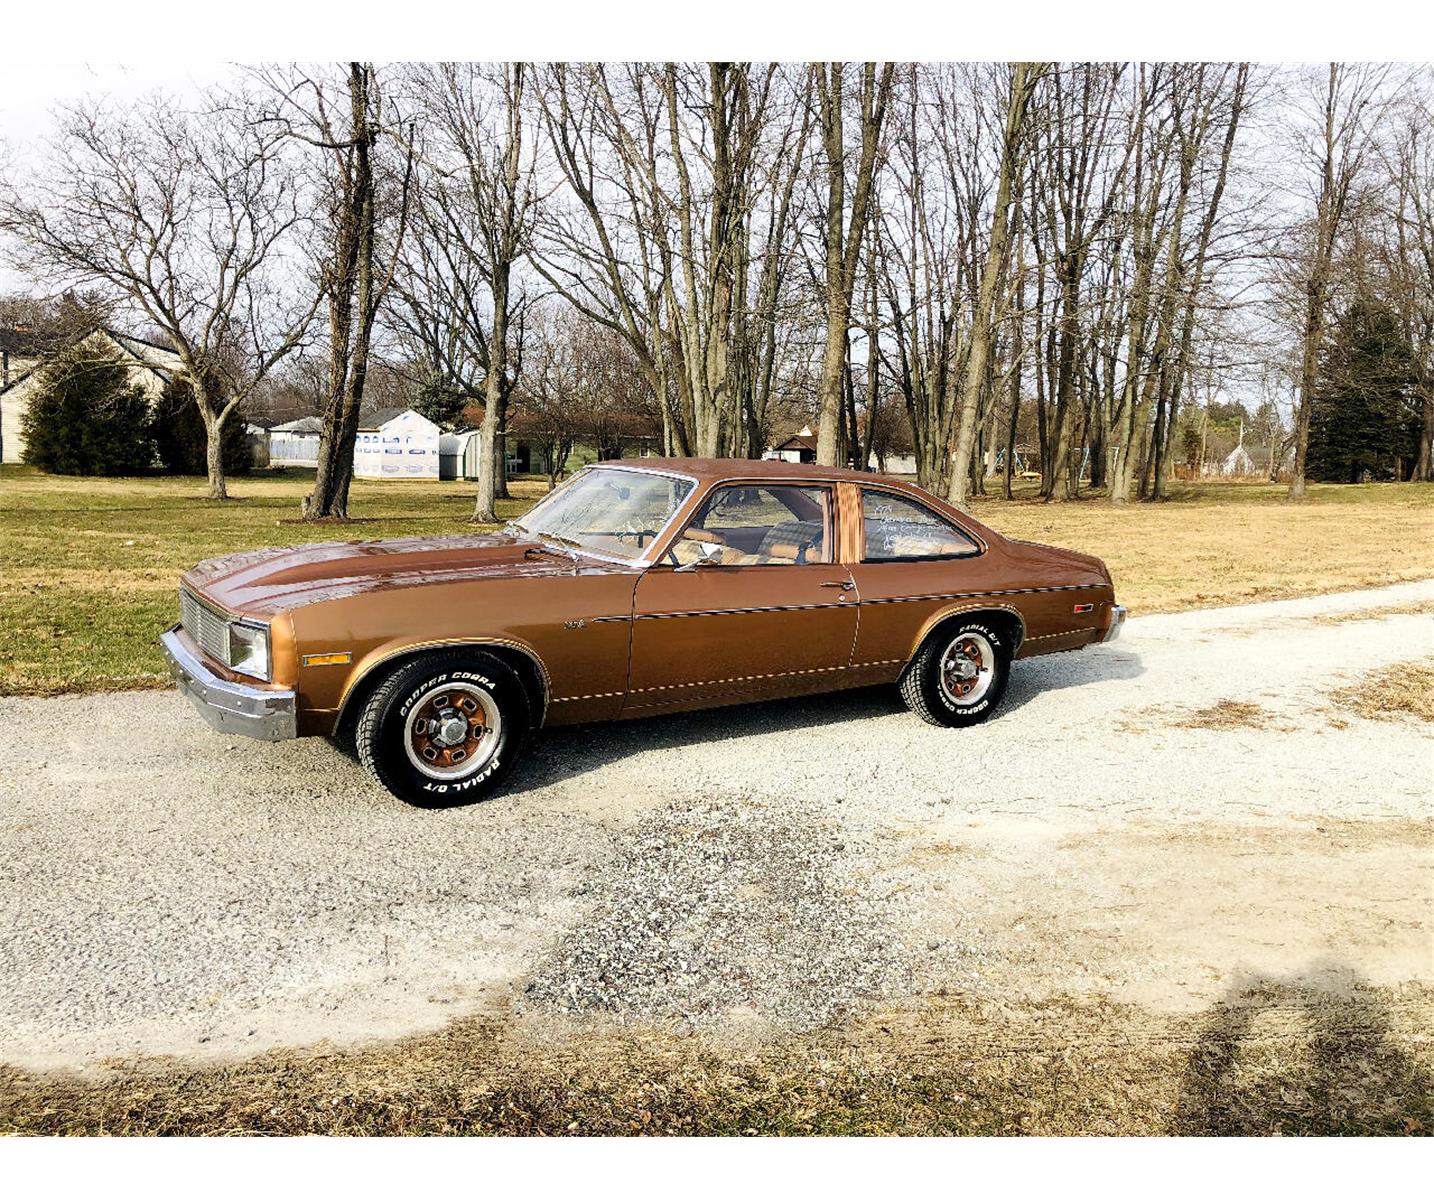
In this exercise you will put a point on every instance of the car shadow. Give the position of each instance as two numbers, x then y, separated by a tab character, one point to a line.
1077	668
573	750
1339	1070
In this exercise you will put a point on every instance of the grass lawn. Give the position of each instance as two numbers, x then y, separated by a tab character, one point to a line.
88	567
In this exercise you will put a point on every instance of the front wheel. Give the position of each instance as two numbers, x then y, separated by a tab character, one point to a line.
445	729
959	675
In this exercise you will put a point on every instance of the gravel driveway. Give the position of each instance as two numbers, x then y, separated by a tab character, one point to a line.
164	889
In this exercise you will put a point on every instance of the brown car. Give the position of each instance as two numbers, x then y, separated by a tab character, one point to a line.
637	587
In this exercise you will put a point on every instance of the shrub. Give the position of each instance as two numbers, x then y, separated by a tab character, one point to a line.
87	417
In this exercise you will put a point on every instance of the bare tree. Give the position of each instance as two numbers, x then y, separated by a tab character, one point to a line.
185	219
843	236
476	213
681	221
1086	159
347	121
985	319
1411	163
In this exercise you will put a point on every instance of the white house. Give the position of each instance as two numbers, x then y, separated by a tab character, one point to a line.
396	443
801	447
151	367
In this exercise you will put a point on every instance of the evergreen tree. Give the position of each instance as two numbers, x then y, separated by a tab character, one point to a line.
1364	414
87	417
441	404
181	440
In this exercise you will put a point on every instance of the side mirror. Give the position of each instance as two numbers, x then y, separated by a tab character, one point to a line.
708	553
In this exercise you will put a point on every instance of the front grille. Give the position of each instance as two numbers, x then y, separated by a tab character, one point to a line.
207	627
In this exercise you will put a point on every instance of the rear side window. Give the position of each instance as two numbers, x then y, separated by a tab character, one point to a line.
895	529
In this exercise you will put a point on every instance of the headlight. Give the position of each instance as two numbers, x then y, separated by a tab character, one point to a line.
249	649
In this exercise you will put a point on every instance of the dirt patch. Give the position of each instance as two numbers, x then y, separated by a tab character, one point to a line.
1397	692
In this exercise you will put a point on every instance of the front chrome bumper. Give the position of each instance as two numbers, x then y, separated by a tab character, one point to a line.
1117	619
269	714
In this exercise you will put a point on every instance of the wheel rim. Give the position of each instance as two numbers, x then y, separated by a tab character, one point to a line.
967	669
452	731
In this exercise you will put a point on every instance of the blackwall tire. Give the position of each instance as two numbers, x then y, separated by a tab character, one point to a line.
445	729
939	686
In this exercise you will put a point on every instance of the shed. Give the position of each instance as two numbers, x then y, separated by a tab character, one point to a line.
458	455
396	443
295	443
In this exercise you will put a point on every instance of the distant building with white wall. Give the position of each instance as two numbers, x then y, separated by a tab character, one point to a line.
396	443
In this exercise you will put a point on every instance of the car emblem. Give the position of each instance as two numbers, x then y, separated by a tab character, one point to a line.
578	624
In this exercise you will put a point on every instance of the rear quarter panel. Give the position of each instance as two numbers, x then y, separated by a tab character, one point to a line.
902	602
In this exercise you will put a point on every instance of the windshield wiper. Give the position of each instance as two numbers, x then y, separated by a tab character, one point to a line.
560	539
559	550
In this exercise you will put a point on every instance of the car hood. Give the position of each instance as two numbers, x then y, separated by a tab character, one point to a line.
268	581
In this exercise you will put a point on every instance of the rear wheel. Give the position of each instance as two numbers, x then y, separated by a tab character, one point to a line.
444	730
959	675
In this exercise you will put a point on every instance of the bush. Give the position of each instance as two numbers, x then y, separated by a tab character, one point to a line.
88	418
1365	416
181	441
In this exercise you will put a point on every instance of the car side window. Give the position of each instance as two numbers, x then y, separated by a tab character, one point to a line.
895	528
758	525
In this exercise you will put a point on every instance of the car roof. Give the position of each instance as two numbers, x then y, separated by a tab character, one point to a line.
707	470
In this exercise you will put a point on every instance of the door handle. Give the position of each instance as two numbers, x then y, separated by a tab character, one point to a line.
846	585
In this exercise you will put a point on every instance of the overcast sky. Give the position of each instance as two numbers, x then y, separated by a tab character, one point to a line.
30	90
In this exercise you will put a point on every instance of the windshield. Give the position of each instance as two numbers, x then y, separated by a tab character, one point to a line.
607	509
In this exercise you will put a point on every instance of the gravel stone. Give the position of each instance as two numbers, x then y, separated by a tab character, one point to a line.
714	908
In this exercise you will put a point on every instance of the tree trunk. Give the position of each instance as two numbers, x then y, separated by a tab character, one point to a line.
1424	464
495	388
352	308
1327	215
843	241
982	326
213	448
1309	373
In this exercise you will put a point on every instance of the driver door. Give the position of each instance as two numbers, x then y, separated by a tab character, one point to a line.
769	613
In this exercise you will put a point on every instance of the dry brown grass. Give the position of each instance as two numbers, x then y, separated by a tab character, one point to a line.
1274	1059
1226	714
1397	692
1222	715
1415	609
1235	543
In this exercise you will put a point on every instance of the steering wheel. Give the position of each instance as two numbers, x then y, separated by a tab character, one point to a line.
693	533
637	535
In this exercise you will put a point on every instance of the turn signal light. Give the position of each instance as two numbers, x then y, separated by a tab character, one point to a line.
327	660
